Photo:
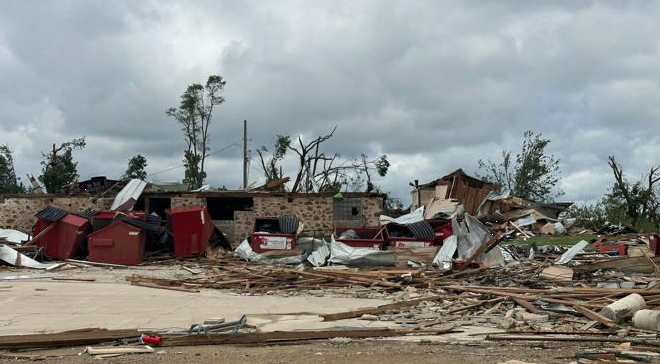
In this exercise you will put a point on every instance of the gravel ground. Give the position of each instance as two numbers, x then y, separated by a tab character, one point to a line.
367	352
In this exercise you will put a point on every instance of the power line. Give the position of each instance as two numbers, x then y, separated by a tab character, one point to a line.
208	155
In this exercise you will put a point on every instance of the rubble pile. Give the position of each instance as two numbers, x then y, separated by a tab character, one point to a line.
444	270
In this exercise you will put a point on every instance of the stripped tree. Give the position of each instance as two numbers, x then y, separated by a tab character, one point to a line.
194	114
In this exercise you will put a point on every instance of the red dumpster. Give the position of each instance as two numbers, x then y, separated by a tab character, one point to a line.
366	237
418	235
105	218
268	234
117	243
65	239
190	228
654	243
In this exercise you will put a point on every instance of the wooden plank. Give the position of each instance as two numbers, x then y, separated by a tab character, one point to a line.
171	288
652	264
97	264
594	316
525	304
68	338
79	279
377	309
281	336
40	235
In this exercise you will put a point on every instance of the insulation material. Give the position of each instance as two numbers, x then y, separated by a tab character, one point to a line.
17	259
443	259
320	255
244	251
14	236
362	257
572	252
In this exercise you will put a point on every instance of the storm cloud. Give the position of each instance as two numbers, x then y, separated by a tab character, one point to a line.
435	85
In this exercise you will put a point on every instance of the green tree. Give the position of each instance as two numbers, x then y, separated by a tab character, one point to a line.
270	164
58	168
533	174
136	166
633	202
9	183
194	114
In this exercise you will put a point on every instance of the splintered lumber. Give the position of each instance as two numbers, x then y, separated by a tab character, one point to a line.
613	339
281	336
625	264
475	305
67	338
377	309
171	288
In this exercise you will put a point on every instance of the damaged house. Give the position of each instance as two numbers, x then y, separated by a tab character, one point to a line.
233	212
458	185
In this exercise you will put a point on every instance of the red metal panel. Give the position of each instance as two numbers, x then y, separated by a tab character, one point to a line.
191	229
65	240
118	243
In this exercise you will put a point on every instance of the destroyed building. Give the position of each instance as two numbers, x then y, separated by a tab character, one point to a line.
457	185
233	212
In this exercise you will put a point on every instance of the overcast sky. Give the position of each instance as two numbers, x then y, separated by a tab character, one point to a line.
435	85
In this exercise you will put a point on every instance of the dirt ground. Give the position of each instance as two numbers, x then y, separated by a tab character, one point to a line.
325	352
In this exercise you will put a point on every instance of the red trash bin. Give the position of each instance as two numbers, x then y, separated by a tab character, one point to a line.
65	239
367	237
267	235
117	243
654	243
190	228
105	218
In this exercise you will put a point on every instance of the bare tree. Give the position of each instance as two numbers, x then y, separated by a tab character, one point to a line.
319	171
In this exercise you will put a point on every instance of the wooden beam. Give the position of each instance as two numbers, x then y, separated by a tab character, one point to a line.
41	234
68	338
377	309
282	336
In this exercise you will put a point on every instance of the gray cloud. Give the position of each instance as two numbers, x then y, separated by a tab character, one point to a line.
435	85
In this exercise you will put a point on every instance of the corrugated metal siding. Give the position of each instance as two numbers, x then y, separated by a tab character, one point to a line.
51	214
288	224
421	229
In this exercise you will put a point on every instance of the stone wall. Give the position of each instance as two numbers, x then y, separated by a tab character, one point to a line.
18	212
188	201
316	212
243	222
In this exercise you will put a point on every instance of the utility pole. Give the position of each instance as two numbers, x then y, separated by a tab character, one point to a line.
245	156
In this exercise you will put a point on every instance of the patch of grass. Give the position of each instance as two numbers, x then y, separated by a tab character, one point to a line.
567	240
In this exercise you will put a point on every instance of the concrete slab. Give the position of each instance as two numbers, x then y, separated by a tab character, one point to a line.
75	305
